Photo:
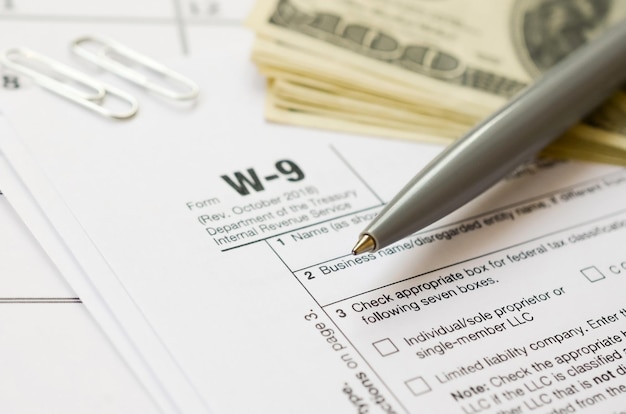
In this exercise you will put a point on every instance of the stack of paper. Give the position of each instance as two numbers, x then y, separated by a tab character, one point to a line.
212	249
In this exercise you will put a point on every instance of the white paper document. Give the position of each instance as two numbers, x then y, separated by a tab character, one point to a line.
221	245
54	357
182	28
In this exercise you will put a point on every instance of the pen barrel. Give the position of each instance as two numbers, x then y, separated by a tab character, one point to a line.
511	136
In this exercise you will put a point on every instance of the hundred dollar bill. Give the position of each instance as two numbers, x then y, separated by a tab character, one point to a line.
455	57
476	48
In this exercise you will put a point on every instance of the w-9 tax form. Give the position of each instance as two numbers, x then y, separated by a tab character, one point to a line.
219	242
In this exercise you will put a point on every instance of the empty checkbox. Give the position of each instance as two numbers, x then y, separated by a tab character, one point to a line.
385	347
418	386
592	274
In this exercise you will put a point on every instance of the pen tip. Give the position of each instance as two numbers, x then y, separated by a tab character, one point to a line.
366	243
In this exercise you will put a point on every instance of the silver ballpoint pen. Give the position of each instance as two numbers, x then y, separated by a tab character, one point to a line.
513	135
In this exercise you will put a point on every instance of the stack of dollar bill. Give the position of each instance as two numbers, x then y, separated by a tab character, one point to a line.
427	69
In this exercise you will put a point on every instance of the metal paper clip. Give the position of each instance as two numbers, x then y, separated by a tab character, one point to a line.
118	59
67	82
